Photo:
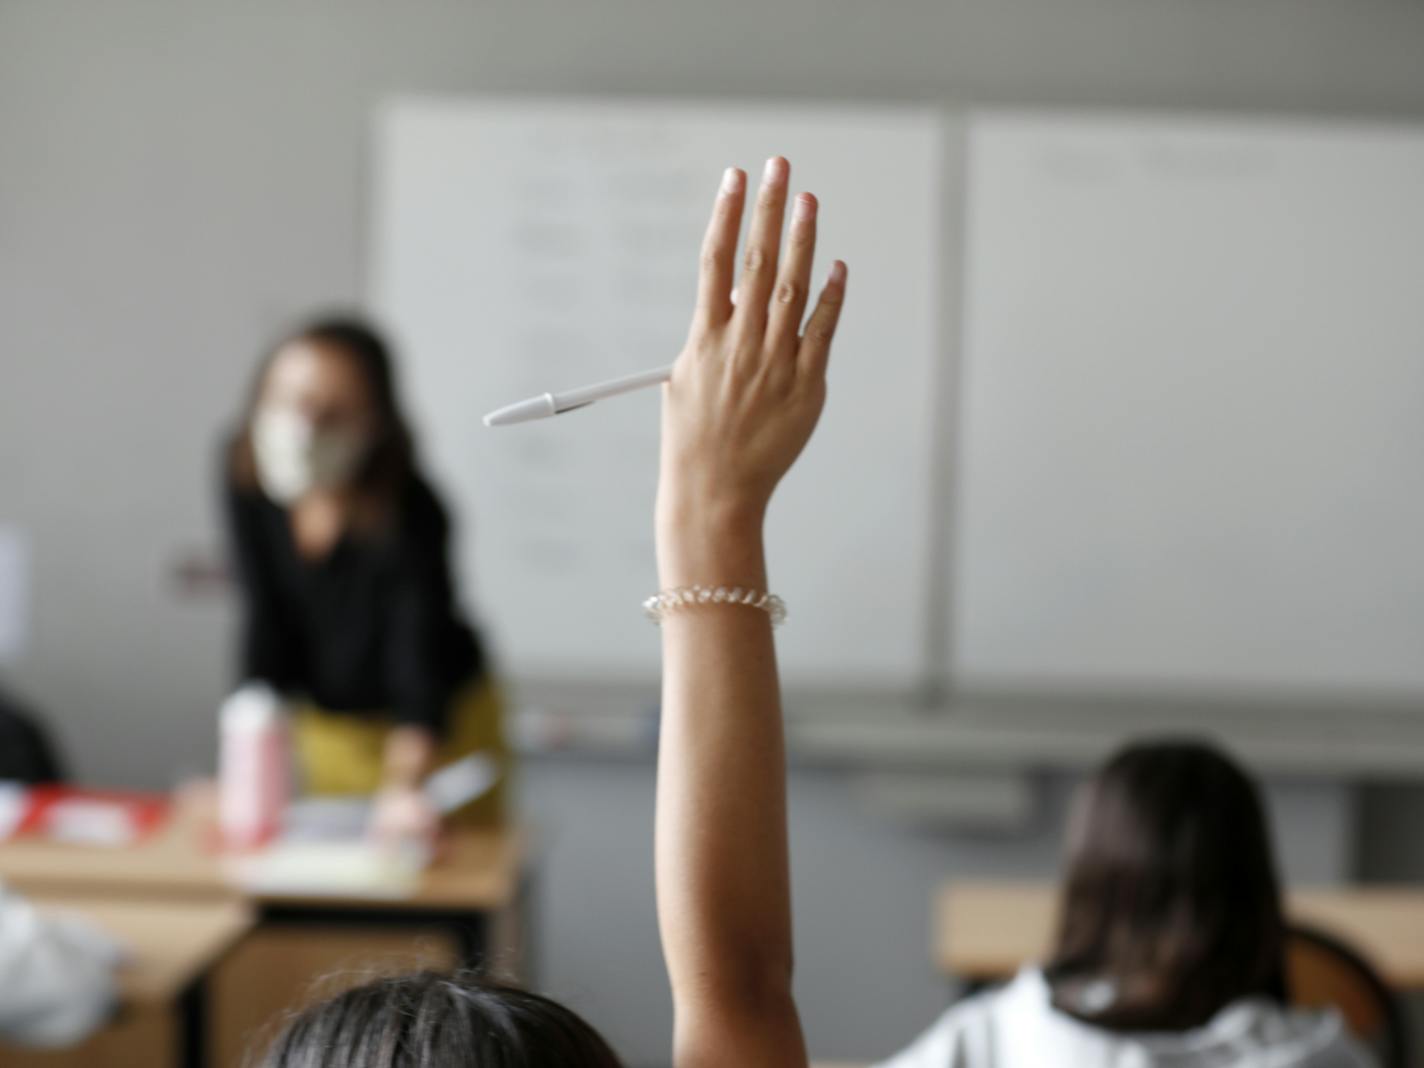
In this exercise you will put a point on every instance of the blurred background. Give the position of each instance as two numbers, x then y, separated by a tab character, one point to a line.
180	183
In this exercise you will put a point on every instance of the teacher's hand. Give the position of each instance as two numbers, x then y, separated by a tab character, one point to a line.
750	383
404	814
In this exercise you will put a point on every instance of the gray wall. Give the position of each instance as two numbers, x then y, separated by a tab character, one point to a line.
179	178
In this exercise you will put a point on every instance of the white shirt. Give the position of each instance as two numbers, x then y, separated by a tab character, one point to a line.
1018	1027
56	975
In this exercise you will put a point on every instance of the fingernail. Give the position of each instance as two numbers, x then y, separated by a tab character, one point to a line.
731	180
805	208
774	170
837	275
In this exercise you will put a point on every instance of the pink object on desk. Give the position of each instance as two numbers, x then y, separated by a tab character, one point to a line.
253	771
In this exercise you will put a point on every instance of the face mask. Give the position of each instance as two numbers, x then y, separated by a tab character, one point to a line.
294	456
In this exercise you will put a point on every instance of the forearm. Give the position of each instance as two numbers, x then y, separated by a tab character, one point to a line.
723	881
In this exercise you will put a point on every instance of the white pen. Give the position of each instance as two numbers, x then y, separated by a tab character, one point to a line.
547	404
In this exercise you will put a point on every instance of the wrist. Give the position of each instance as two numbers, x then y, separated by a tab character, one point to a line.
679	514
689	496
702	542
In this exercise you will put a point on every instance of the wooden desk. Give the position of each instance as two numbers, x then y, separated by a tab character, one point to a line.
985	931
171	863
470	909
482	870
174	946
173	943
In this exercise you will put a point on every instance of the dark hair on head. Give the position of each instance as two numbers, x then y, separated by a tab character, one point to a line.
435	1020
391	461
1170	908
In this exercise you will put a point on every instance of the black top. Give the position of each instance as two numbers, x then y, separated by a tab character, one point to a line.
371	628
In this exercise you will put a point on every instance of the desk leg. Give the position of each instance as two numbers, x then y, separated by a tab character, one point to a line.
192	1012
471	935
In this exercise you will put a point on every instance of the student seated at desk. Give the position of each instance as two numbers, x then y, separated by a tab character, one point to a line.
56	976
341	550
1171	939
745	395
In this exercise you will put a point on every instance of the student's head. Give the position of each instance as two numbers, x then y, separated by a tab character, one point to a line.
431	1020
323	414
1170	906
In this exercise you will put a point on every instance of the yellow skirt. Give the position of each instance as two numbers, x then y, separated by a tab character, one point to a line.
345	754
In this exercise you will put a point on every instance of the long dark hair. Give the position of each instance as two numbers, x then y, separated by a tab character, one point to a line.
433	1020
1171	907
391	461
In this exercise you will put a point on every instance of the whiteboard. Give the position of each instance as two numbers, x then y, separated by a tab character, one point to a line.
527	245
1193	405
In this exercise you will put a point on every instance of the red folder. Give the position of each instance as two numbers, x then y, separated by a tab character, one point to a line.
92	817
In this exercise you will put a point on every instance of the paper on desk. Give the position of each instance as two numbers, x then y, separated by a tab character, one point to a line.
326	819
331	869
14	592
80	821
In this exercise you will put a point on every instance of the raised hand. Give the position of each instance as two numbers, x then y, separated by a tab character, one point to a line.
750	383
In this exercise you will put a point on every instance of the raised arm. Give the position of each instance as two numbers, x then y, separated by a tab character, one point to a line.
745	395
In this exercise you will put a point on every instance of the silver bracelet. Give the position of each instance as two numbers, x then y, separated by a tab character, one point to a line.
659	605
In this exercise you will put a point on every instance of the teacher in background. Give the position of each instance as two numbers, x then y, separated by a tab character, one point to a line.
341	549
